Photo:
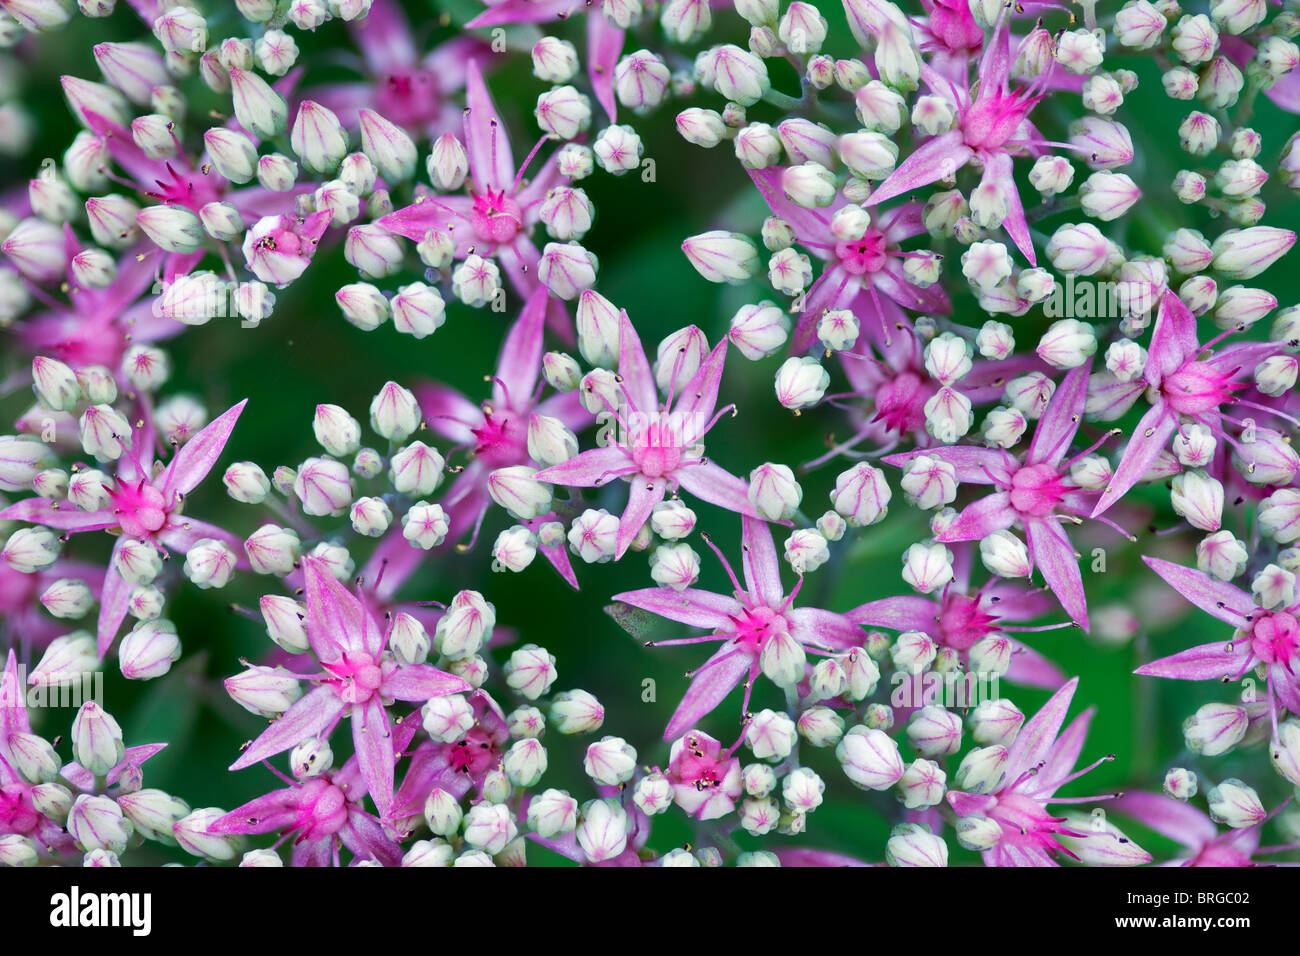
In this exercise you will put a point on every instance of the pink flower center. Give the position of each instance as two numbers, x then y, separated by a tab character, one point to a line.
495	217
1026	823
992	120
358	677
1195	388
962	622
141	509
1036	490
900	403
409	97
657	450
699	765
501	439
322	810
17	815
193	191
865	255
757	625
1275	636
474	754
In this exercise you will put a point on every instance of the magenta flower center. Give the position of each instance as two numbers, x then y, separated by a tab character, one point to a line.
495	217
322	810
357	675
1275	636
962	622
1036	490
657	450
474	754
757	625
1026	823
409	97
189	190
17	815
501	439
697	767
900	403
141	509
865	255
1195	388
992	120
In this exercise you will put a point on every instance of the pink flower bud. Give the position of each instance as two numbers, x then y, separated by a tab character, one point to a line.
701	127
37	249
149	650
563	112
418	310
394	412
870	758
324	486
363	305
566	269
265	691
318	138
425	525
373	251
592	536
736	74
721	256
272	549
284	619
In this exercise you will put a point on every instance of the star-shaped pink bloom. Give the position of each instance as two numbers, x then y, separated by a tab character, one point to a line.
757	623
356	678
657	448
1039	762
145	505
1034	491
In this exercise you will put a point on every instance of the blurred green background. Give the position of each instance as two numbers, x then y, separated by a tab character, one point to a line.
306	354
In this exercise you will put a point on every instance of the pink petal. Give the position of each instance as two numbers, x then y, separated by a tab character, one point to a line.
384	36
421	682
1032	669
604	47
521	356
1062	757
1055	559
373	739
980	519
699	396
1034	742
716	679
634	368
197	456
13	709
310	714
690	606
904	613
1060	420
114	602
591	469
933	160
274	811
815	627
337	623
490	162
710	483
1173	341
1219	599
998	170
1203	662
448	412
973	464
64	518
1144	446
643	495
761	563
1169	817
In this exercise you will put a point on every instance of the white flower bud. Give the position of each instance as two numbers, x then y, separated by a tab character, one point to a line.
929	482
563	112
801	382
149	650
773	492
210	563
593	536
1236	805
272	549
870	758
760	330
1068	343
425	525
324	486
29	550
1198	498
927	567
770	735
373	251
171	228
